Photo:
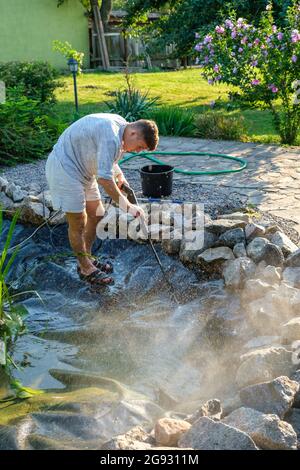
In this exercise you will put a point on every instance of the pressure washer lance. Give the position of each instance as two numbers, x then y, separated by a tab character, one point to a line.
133	200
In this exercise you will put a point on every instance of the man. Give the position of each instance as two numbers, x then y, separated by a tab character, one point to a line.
84	156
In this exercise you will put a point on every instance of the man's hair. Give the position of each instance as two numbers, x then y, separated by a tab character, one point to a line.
149	132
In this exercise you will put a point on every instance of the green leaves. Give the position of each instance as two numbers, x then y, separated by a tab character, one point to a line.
174	121
132	104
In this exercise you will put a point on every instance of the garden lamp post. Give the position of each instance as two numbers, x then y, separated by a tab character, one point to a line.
73	66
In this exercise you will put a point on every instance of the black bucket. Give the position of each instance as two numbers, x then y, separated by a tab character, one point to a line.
157	180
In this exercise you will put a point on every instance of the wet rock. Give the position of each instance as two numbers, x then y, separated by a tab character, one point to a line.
260	249
291	330
256	288
261	342
135	439
283	242
292	276
275	397
293	260
254	230
189	255
207	434
168	431
57	219
220	226
267	430
236	216
5	202
236	271
172	246
159	232
231	237
3	184
294	420
239	250
213	259
211	408
264	365
33	213
269	274
15	192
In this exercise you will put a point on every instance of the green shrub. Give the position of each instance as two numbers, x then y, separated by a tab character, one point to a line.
39	79
28	129
132	104
211	125
174	121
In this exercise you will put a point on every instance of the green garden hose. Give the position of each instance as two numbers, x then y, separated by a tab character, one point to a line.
149	156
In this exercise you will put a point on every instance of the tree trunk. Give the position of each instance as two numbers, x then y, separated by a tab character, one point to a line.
100	34
105	11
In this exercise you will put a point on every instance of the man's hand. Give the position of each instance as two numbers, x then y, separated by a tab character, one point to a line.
121	180
136	211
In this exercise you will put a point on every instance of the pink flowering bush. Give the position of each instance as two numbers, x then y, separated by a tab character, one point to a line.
263	61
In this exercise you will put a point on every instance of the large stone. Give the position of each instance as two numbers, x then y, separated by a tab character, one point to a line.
269	274
5	202
212	260
45	198
231	237
296	378
291	276
207	434
211	408
239	250
172	246
236	271
254	230
291	330
275	397
3	184
33	213
256	288
15	192
135	439
293	260
222	225
57	219
236	216
260	249
263	365
167	431
267	430
189	255
294	420
283	241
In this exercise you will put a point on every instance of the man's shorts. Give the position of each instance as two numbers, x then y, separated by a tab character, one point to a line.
68	194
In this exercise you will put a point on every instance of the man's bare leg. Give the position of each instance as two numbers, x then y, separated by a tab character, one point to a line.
76	231
94	212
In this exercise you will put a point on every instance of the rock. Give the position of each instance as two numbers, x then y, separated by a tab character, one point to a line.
207	434
236	216
262	365
45	198
239	250
294	420
269	274
271	228
293	260
159	232
168	431
135	439
172	246
211	408
262	341
291	276
267	430
33	213
213	259
254	230
283	242
57	219
15	192
222	225
231	238
275	397
3	184
296	378
256	288
260	249
236	271
5	202
291	330
186	254
231	404
33	188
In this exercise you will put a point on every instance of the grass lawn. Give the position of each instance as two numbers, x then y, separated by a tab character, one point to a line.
185	88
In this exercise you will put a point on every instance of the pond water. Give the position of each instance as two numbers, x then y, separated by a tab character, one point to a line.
122	356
